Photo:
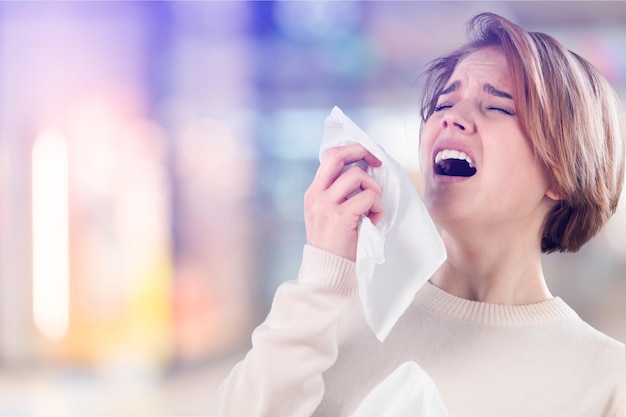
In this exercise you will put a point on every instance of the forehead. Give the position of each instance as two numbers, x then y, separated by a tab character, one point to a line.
488	63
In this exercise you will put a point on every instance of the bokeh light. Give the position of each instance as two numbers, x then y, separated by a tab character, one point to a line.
153	160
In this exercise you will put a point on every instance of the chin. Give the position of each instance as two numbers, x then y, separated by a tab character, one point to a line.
448	216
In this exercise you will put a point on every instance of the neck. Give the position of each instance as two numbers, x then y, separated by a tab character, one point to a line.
499	271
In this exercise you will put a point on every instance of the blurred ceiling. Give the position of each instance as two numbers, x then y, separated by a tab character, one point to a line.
568	13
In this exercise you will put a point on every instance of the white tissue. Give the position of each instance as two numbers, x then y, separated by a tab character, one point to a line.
408	392
398	255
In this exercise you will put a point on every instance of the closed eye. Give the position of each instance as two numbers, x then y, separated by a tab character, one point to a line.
503	110
444	106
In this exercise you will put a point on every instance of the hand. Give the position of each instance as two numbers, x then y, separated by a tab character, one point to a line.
331	212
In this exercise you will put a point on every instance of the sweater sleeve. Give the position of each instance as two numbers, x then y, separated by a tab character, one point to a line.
282	374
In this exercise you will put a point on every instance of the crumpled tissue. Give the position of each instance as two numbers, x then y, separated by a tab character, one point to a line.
398	255
407	392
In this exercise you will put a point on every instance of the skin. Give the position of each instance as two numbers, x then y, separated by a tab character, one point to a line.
491	222
331	219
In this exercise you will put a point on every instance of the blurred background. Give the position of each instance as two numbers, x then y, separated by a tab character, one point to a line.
153	159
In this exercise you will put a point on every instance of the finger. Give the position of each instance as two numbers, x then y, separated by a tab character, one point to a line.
350	182
337	158
377	211
367	203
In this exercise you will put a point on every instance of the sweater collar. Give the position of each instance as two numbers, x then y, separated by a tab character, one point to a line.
440	302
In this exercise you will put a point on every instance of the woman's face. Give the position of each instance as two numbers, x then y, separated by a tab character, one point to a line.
478	166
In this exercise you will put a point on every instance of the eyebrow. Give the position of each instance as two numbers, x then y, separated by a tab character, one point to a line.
451	88
495	92
488	88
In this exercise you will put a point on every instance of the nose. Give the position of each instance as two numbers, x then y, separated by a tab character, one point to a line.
459	117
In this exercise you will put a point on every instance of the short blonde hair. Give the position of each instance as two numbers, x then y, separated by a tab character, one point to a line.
569	112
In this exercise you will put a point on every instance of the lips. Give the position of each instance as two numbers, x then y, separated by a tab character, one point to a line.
454	163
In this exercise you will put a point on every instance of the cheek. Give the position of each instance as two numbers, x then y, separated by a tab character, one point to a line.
422	155
427	140
523	174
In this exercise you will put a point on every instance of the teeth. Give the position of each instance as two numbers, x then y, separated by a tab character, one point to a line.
453	154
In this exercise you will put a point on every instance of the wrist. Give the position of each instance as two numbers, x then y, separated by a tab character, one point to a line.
328	269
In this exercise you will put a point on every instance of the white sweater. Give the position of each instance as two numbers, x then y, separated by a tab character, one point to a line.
315	356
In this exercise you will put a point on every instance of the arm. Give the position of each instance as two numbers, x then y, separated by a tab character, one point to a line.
282	374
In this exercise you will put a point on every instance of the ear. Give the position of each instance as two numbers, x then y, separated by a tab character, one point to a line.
553	195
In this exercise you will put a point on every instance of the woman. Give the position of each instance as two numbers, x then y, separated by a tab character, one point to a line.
522	153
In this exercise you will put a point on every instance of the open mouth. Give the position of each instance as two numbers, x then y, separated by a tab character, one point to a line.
454	163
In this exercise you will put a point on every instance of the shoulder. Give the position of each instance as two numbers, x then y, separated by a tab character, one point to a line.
603	363
593	348
584	333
